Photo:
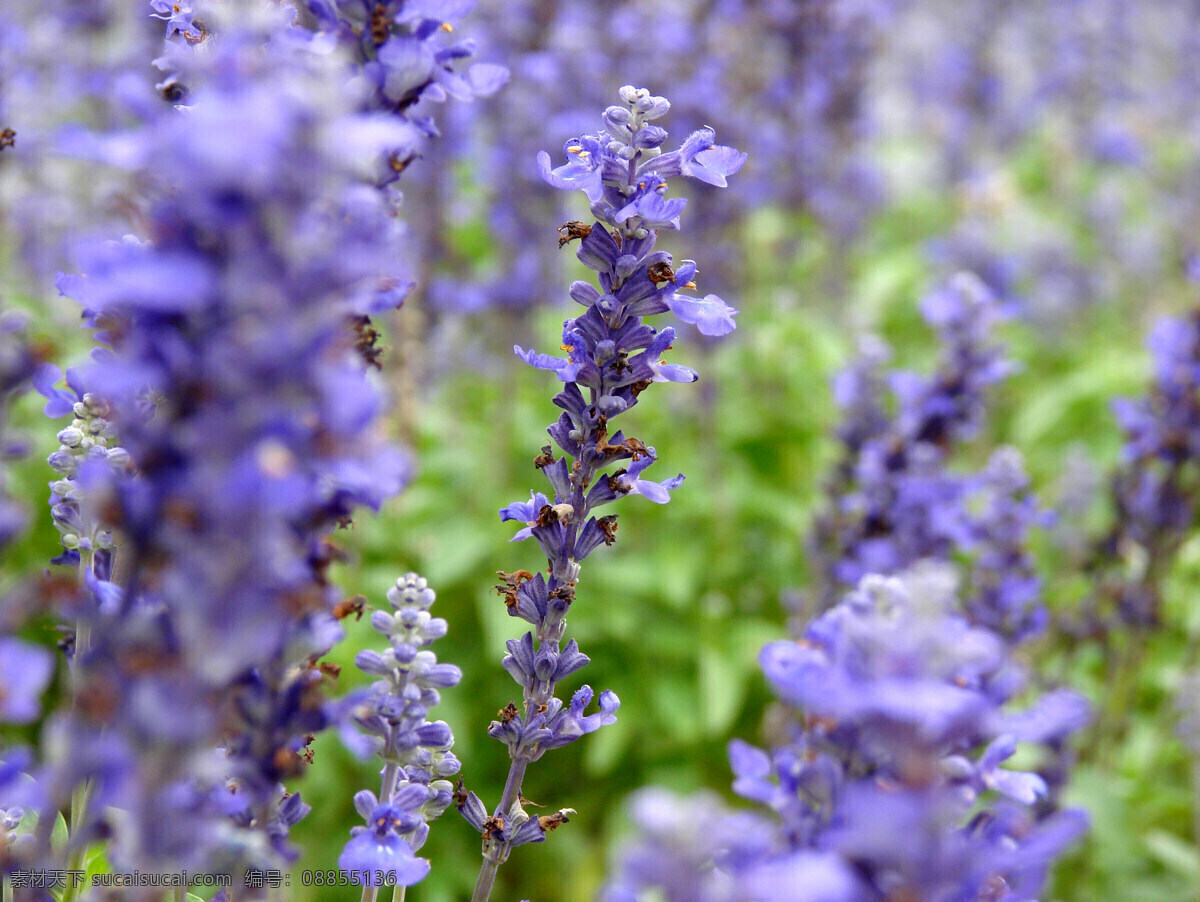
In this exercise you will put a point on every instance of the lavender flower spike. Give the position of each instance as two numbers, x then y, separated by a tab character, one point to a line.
888	785
613	356
227	368
416	753
407	63
86	461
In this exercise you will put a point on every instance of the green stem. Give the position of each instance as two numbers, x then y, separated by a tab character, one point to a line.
79	804
486	879
82	793
495	853
1196	803
83	629
1121	691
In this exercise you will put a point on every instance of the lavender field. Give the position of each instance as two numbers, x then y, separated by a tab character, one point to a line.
643	451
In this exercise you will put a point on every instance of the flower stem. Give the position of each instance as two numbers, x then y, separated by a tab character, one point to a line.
82	792
495	853
79	804
83	629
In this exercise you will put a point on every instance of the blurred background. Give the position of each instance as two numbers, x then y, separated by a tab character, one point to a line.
1052	149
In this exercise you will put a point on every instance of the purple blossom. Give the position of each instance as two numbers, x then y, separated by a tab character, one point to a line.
710	314
393	718
379	851
238	392
613	357
1154	508
631	482
524	512
409	66
889	783
25	671
893	499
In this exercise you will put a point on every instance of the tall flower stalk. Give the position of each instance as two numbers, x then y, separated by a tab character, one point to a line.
613	356
1153	495
894	499
416	753
889	785
226	365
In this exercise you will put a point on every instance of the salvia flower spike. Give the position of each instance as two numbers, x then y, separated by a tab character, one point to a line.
612	357
416	752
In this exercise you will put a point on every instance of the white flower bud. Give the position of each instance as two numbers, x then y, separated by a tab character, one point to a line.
70	437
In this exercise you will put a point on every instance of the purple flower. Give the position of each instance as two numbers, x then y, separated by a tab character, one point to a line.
393	719
623	172
1154	512
701	159
60	402
632	483
405	57
524	512
565	369
894	500
379	851
25	671
613	357
238	391
887	783
710	314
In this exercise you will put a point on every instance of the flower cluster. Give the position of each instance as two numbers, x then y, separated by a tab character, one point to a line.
789	84
86	464
893	498
904	730
416	753
397	45
64	65
228	370
1154	491
613	356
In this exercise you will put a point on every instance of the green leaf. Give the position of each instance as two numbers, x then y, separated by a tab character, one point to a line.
1175	854
60	834
722	689
676	705
95	862
1077	403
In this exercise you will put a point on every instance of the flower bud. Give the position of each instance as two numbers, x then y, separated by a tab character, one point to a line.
70	437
